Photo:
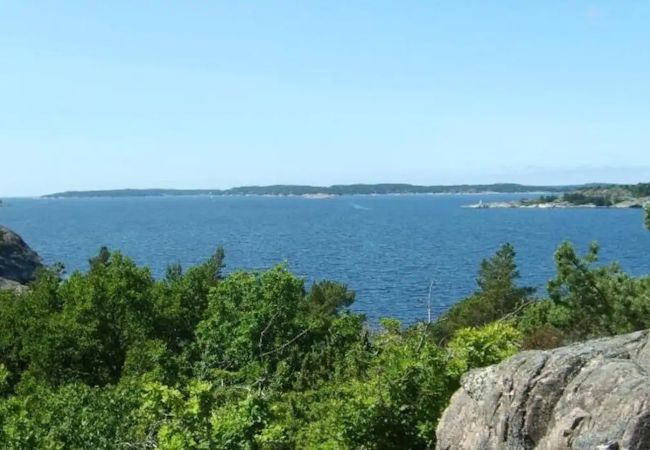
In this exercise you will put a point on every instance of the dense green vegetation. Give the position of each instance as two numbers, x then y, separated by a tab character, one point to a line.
640	189
606	195
351	189
112	358
599	199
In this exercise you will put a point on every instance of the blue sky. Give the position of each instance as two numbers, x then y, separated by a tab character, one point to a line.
97	95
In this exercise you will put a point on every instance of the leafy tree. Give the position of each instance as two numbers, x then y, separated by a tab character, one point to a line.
181	300
99	316
251	322
265	327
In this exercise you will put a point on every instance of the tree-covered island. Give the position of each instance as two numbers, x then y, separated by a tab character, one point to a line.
593	196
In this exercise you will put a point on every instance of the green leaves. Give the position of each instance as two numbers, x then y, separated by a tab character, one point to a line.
4	380
252	360
498	296
251	321
99	316
478	347
587	300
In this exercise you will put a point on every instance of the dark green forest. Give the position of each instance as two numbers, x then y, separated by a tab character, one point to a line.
114	358
606	195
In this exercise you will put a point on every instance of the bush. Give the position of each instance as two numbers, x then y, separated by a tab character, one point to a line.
479	347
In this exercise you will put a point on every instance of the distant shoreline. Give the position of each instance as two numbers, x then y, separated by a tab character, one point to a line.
611	196
323	192
305	196
563	205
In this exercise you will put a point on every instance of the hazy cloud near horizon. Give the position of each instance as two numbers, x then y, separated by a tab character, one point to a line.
103	96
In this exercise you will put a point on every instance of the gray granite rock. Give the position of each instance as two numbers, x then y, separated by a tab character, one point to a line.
12	285
592	395
18	262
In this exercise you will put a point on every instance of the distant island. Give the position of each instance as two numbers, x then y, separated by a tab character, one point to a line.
325	191
600	196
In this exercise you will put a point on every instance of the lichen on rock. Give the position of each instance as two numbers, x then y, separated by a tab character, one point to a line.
589	395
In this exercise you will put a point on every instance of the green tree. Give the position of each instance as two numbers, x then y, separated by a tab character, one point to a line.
498	296
86	326
589	300
181	300
251	322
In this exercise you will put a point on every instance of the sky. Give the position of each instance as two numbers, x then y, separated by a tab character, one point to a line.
122	94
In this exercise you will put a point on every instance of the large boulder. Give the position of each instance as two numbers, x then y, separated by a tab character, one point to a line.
592	395
18	262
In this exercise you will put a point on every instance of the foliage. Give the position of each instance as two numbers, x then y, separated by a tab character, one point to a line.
395	404
498	296
588	300
199	360
478	347
72	416
547	199
579	198
640	189
113	358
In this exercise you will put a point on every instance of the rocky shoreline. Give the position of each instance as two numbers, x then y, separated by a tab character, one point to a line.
527	204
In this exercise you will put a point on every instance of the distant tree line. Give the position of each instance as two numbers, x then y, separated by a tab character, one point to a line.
579	198
351	189
640	190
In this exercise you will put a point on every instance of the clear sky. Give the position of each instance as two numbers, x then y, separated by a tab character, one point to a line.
98	95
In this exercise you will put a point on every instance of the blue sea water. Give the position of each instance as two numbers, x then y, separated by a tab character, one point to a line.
386	248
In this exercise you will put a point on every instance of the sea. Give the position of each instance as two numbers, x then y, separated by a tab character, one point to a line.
397	252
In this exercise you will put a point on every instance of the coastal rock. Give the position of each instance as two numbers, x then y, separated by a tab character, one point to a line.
18	262
592	395
12	285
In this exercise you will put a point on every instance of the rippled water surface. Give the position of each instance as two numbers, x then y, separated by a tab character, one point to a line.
386	248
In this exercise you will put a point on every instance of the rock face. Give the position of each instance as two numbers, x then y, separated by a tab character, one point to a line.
18	262
592	395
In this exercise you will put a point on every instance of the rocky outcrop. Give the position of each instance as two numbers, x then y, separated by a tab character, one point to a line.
18	262
12	285
592	395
